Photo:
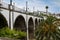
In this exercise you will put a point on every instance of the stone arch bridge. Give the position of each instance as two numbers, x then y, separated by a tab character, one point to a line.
17	18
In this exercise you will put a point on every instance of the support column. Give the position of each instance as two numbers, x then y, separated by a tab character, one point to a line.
27	20
10	17
27	27
11	20
13	7
34	28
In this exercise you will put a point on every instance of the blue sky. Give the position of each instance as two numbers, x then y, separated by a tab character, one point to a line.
54	5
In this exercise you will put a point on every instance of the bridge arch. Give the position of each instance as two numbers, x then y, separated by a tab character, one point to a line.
3	21
20	23
36	22
39	20
31	28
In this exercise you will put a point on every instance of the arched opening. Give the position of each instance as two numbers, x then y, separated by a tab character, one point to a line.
20	24
31	28
3	21
36	23
39	21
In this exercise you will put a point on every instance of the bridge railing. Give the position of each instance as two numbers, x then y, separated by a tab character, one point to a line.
19	9
5	5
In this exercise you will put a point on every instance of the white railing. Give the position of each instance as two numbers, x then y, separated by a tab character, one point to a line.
5	5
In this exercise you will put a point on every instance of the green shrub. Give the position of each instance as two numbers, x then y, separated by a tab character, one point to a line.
6	32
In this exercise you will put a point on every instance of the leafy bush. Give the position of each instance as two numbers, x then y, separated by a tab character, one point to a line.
6	32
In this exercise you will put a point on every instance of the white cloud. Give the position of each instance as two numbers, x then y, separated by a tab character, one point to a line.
57	3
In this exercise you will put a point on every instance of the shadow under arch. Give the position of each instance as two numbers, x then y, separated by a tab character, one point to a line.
31	28
36	23
39	20
3	21
20	23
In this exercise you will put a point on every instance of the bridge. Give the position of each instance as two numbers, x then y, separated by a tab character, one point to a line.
19	19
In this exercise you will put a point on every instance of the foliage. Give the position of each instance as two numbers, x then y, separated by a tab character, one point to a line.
6	32
48	29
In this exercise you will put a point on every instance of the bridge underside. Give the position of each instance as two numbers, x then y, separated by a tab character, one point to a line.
31	29
39	20
20	24
36	23
3	21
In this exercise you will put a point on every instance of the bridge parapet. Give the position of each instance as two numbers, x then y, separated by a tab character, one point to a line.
4	5
16	9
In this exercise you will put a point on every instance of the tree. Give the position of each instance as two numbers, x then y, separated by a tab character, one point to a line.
48	29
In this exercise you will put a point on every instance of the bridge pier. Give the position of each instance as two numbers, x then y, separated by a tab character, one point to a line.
11	17
27	29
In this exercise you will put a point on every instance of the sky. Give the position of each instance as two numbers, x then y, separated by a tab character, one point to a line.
54	5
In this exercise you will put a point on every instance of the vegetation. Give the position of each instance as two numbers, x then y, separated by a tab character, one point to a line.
48	29
6	32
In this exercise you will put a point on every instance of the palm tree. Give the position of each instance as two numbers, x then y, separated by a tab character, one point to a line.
48	29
